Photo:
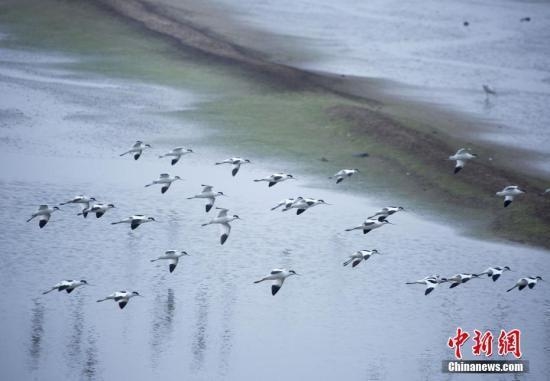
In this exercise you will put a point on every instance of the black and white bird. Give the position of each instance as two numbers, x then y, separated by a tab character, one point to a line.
208	194
165	180
135	221
44	213
384	213
223	220
461	157
458	279
99	209
137	149
359	256
509	193
488	90
67	285
304	204
81	199
279	276
176	154
369	224
431	282
546	192
172	256
276	178
343	174
120	297
530	282
287	203
236	162
495	272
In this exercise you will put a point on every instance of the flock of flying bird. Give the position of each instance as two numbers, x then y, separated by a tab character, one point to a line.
278	276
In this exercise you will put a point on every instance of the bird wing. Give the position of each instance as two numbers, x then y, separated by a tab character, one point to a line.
164	175
222	212
276	286
137	144
177	149
43	207
225	228
276	271
276	177
236	167
339	173
206	188
210	201
279	204
380	216
172	263
460	151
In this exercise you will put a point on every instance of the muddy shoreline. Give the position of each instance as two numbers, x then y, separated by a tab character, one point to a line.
410	142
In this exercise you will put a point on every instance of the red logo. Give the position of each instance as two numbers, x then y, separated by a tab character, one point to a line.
458	341
483	343
508	342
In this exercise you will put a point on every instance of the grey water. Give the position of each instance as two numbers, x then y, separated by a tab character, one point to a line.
61	133
424	49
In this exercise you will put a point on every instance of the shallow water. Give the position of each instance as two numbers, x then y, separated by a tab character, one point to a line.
207	320
423	48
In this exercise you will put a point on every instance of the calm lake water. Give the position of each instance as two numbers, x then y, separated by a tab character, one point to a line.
61	134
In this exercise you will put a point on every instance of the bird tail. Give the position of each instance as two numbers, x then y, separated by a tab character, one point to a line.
101	300
355	228
161	156
410	282
29	220
190	198
114	223
125	153
275	207
347	262
47	292
256	180
208	223
510	289
258	281
218	163
153	260
148	185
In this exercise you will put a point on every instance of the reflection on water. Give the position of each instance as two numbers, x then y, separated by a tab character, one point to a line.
37	330
226	344
74	348
89	365
162	325
199	340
